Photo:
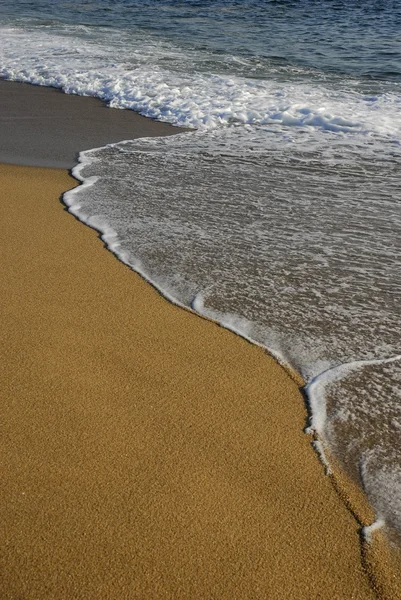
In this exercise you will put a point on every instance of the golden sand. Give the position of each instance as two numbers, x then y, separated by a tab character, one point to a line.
147	453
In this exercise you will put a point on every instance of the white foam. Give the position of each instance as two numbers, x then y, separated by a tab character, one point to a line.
237	324
369	530
94	67
316	390
319	449
381	478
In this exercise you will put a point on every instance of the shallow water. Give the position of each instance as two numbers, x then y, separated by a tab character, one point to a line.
297	249
281	215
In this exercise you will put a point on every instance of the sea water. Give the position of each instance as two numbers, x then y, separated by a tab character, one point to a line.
279	214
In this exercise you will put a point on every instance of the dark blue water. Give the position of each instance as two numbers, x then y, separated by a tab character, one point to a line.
359	38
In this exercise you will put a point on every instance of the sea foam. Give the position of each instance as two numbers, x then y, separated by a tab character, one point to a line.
79	63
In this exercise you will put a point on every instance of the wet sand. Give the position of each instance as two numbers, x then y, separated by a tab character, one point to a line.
146	452
42	127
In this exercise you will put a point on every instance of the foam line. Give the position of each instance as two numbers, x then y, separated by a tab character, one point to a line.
315	389
368	530
110	237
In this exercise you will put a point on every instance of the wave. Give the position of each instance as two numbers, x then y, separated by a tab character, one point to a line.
127	76
291	245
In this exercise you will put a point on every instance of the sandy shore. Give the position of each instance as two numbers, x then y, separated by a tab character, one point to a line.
146	452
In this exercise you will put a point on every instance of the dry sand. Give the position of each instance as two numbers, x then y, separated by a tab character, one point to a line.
146	452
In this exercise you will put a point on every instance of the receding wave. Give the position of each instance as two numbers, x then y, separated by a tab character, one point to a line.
295	245
164	83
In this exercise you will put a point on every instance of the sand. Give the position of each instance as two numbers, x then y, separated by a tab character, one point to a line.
147	452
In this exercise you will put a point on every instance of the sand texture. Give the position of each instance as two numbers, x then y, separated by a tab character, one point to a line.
147	453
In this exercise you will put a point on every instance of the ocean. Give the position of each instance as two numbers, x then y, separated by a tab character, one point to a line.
279	212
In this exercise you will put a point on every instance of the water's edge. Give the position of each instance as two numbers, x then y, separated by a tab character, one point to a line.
350	493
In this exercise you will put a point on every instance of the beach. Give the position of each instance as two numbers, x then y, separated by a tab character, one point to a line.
148	452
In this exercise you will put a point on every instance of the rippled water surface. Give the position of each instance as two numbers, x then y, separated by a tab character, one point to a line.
281	214
360	37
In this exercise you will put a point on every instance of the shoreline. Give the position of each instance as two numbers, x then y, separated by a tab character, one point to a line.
215	483
104	233
43	177
35	118
379	545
